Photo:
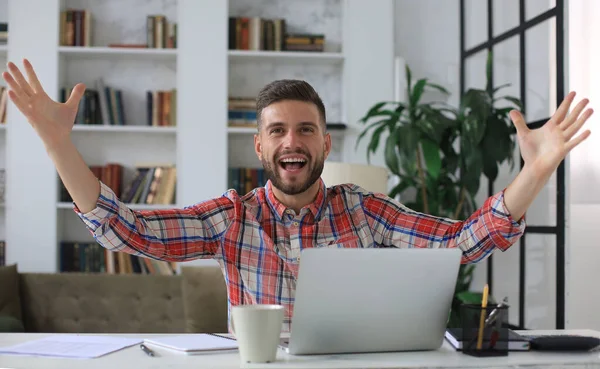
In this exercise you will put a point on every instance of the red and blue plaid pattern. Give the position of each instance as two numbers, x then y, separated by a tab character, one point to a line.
257	240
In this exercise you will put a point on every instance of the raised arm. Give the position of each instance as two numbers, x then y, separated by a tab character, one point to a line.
53	122
175	235
499	222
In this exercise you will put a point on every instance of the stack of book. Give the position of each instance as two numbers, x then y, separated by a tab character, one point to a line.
160	33
256	33
75	27
99	105
90	257
242	112
161	107
305	42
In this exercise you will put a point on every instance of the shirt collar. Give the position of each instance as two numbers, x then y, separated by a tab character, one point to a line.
316	207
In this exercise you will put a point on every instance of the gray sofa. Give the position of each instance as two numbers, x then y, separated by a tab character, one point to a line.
194	301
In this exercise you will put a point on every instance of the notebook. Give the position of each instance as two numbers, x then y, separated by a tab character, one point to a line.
194	342
516	342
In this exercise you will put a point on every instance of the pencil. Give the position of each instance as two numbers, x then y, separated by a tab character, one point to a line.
484	301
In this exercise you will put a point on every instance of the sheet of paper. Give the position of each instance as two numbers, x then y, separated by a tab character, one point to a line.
71	346
194	342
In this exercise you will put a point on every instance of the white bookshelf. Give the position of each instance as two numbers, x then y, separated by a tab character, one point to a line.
298	57
124	129
95	52
355	71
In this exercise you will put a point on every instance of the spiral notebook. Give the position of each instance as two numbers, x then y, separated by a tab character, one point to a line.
194	342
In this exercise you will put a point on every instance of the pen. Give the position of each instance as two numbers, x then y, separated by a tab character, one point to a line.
147	350
482	318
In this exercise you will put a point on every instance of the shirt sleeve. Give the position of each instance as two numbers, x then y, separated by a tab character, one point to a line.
171	234
490	227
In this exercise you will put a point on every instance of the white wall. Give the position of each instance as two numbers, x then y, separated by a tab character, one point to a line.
584	56
429	42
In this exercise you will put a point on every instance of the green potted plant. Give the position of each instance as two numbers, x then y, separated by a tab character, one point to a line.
440	152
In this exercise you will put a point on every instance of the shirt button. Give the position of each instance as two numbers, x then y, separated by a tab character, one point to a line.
298	258
295	224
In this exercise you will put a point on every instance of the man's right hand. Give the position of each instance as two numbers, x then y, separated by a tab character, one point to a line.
52	120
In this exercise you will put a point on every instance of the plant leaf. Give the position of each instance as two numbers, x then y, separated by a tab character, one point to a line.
432	158
370	126
415	97
438	87
498	88
372	111
391	158
374	144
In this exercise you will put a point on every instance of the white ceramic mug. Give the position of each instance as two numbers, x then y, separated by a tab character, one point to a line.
257	329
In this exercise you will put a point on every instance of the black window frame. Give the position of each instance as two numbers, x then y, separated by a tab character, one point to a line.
556	12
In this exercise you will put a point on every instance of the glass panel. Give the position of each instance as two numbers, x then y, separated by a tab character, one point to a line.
542	211
540	70
505	282
540	281
506	15
533	8
476	13
475	70
507	72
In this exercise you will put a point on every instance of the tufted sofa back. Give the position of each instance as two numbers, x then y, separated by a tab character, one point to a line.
123	303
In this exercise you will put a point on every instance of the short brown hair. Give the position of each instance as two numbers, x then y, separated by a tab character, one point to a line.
288	89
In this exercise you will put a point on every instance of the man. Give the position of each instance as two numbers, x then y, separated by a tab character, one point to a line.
257	237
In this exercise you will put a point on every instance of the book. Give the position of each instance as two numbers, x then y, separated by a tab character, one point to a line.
516	342
194	342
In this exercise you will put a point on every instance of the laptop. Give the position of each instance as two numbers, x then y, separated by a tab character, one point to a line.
372	300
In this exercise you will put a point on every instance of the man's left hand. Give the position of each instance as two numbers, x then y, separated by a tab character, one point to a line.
543	149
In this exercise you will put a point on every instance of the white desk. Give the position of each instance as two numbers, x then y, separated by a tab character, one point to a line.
445	357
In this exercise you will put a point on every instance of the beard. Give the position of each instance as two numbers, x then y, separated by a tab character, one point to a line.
315	169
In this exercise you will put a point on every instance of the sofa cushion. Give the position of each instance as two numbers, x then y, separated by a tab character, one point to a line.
204	299
10	300
102	303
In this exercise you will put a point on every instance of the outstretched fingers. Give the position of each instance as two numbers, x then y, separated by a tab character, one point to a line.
577	140
13	84
563	109
18	77
21	104
574	114
33	78
573	128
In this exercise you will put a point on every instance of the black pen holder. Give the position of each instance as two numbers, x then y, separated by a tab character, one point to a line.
481	339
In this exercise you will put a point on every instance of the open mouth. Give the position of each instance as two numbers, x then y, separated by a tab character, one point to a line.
292	164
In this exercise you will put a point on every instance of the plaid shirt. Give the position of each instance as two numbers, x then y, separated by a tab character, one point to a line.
257	240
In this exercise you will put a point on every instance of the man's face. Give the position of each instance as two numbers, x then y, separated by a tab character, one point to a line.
292	145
